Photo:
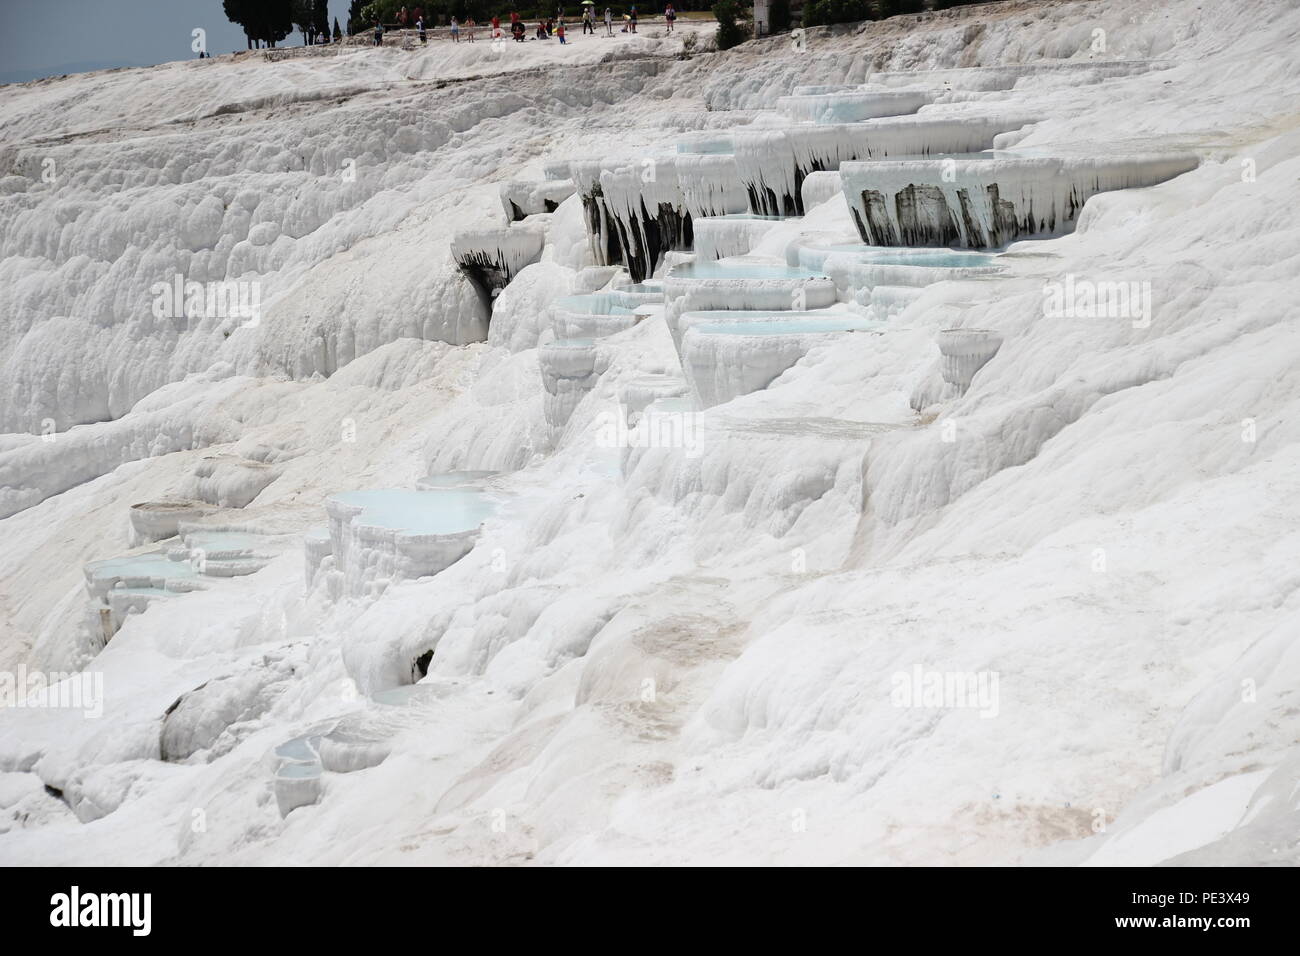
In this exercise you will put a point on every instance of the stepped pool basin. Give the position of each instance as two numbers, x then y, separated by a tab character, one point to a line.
152	570
738	269
786	326
159	520
297	785
450	511
637	394
887	301
570	368
773	163
381	536
852	106
596	314
722	237
813	255
982	205
728	354
316	547
742	283
454	479
652	289
706	143
521	198
490	258
963	352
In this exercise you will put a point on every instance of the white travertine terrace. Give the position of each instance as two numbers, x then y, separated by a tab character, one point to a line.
602	234
523	198
384	536
847	512
317	545
596	314
995	78
721	237
987	204
772	164
748	283
222	551
637	208
354	744
852	106
557	169
886	301
728	354
844	260
230	481
128	584
465	478
570	369
652	203
709	184
964	352
639	393
492	257
861	278
158	520
297	781
705	142
820	186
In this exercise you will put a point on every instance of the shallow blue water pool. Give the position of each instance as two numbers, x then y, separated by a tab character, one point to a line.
445	511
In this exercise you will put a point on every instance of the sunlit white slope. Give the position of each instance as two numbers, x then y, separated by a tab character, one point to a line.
668	654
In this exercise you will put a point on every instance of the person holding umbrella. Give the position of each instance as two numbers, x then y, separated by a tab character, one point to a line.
588	18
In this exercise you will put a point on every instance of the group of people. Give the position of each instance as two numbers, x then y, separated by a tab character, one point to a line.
546	29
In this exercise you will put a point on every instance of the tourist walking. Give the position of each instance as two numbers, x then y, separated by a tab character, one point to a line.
419	25
455	31
670	17
379	33
609	22
632	21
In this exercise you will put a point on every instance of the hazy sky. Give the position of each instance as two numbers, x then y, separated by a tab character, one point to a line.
47	37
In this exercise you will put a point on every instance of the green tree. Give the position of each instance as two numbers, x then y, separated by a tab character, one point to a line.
304	16
821	12
264	21
892	8
778	12
731	28
355	21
